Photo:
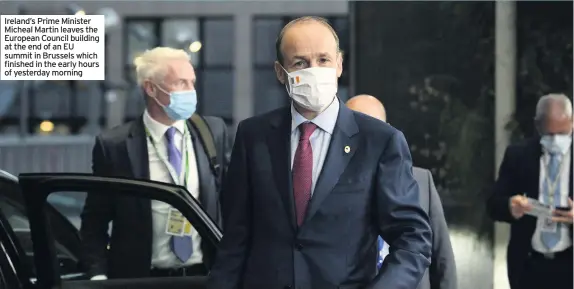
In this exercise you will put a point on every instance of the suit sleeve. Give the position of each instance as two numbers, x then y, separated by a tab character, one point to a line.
400	219
442	271
96	215
227	271
498	204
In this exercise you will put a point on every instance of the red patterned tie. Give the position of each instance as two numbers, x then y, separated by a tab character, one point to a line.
303	170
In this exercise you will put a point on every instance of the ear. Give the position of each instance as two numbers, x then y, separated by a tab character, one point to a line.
339	64
149	89
279	72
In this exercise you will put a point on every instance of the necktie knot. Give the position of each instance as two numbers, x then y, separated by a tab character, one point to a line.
555	155
307	130
169	134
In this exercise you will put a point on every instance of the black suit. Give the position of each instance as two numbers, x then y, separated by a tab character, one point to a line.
122	152
519	174
365	188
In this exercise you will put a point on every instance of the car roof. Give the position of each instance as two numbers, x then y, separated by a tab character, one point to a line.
8	176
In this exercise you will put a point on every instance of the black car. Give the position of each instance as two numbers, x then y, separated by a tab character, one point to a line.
40	248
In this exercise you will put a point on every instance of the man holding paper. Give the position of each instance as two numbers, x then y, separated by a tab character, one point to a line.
534	194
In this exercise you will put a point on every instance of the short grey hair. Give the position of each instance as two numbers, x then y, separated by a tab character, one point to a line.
151	65
544	102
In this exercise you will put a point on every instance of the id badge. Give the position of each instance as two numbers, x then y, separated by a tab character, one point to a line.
548	225
175	223
187	228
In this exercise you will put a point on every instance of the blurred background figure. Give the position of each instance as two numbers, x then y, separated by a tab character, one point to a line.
442	271
451	73
539	169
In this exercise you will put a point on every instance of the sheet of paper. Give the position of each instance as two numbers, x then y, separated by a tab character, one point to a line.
539	209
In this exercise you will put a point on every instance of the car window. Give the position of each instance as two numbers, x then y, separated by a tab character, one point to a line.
70	265
119	230
69	204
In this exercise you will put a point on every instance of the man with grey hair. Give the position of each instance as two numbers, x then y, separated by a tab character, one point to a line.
534	174
167	143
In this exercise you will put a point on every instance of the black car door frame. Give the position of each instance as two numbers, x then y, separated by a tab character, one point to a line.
37	187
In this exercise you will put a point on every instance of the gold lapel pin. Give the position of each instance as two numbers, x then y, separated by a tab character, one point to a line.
347	149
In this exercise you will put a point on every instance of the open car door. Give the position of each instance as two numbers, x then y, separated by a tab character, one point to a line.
36	188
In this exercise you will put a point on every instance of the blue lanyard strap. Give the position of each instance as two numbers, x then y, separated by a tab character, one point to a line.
167	164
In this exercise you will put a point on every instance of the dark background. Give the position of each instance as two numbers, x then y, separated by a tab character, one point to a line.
432	65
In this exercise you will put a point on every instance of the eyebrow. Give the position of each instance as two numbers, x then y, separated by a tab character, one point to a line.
323	54
187	79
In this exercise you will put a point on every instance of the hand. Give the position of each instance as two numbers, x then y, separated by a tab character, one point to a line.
564	216
519	206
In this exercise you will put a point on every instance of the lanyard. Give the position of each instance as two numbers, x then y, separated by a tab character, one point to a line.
552	183
181	179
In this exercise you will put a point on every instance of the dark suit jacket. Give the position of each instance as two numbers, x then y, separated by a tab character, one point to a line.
518	174
360	194
442	271
122	152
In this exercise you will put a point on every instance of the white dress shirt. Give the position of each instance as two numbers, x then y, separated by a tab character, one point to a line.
320	139
565	238
162	254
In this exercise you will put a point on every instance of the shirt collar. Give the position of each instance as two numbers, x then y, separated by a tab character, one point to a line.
326	120
157	130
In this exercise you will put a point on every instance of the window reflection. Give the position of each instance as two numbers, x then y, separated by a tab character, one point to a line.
142	35
182	34
217	97
218	35
266	31
68	255
7	96
269	93
52	99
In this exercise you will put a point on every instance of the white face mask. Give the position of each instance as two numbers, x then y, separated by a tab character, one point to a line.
312	88
558	143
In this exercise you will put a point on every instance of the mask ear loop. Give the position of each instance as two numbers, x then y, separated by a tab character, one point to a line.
288	84
155	94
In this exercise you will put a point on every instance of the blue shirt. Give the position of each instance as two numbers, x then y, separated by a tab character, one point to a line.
383	250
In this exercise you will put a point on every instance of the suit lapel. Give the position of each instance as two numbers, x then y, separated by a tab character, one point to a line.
279	144
137	150
533	166
341	149
138	156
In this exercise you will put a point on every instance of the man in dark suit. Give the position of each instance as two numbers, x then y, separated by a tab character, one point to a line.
442	271
161	145
539	170
312	185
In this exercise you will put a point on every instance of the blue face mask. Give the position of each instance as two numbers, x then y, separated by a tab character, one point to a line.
558	143
182	104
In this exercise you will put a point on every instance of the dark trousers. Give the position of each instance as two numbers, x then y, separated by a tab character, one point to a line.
543	272
193	270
